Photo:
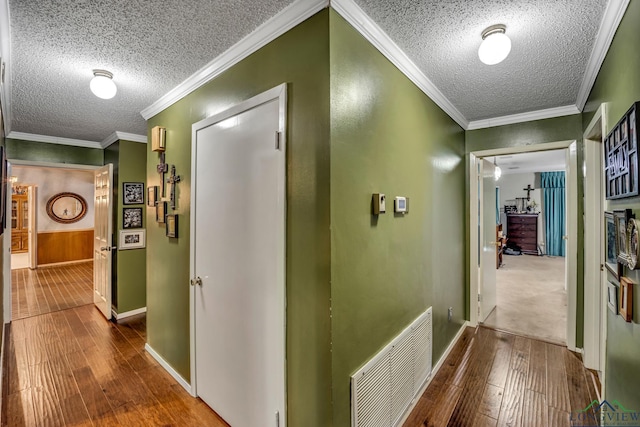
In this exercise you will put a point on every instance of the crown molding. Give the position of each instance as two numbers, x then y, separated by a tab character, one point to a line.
285	20
608	26
54	140
5	54
350	11
116	136
548	113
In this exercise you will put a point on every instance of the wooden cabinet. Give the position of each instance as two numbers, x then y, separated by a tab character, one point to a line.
522	231
19	223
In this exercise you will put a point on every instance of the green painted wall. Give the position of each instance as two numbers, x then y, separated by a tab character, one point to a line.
53	153
530	133
387	136
130	274
618	85
301	58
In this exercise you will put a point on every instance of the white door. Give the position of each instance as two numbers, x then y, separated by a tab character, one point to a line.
102	238
487	240
32	228
238	243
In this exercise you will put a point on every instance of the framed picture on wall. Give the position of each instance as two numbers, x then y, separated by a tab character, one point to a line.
611	246
133	193
612	297
622	218
3	190
132	218
132	239
172	225
152	195
161	212
626	299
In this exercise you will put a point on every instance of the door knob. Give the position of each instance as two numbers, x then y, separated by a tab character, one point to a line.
105	248
196	281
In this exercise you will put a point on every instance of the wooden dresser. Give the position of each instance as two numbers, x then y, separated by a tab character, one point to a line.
522	231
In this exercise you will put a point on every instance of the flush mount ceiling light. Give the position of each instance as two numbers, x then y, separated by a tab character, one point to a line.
102	84
495	45
497	172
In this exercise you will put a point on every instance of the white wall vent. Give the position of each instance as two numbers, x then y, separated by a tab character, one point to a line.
383	389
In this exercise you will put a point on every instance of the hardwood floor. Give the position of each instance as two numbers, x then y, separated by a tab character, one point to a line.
493	378
75	368
49	289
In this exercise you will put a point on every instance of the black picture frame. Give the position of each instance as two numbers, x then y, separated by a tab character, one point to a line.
132	193
622	218
611	245
621	160
172	225
132	218
161	212
3	190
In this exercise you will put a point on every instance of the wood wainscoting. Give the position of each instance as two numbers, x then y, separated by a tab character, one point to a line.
65	246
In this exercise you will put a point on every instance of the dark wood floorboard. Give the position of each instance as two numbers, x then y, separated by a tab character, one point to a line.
49	289
493	378
75	368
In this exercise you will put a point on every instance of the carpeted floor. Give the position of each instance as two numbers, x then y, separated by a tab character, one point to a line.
531	299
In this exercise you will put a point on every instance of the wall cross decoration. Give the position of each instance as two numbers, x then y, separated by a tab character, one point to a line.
529	189
162	169
173	180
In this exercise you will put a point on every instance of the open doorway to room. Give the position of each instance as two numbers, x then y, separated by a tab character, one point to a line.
531	288
50	218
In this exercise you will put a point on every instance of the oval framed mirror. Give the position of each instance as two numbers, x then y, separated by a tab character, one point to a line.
66	208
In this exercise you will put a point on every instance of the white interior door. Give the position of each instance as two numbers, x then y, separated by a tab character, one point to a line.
103	236
487	289
32	228
238	261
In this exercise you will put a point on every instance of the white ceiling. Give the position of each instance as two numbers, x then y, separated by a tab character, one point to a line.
160	50
537	161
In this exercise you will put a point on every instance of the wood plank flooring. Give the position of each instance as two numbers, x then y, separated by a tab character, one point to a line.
75	368
49	289
493	378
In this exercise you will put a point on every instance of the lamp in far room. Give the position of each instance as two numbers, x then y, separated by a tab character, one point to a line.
102	84
497	172
495	46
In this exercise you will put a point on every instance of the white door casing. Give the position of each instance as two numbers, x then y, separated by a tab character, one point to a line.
32	198
487	289
238	261
102	239
571	239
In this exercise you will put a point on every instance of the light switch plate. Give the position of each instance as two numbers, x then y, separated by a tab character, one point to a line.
401	204
379	203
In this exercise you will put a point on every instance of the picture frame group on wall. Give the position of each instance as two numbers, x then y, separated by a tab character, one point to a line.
621	157
133	193
132	239
132	218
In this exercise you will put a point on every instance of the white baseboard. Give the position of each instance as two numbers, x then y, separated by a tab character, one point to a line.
434	371
4	337
126	314
169	369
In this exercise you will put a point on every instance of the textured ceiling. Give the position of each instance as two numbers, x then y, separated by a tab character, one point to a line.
551	42
150	46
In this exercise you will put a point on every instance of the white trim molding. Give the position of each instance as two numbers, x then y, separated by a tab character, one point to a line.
548	113
116	136
54	140
433	373
124	315
167	367
608	26
288	18
5	54
350	11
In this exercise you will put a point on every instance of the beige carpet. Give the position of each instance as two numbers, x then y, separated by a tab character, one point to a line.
531	299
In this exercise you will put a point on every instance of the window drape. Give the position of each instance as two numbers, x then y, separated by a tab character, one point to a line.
553	193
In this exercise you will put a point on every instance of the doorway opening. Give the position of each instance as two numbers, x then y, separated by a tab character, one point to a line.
531	288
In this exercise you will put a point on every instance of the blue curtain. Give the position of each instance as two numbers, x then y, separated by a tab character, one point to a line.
554	211
497	205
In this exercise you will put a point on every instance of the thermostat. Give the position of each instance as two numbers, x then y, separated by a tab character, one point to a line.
401	204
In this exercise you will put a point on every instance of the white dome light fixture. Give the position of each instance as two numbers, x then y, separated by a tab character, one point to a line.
102	84
495	45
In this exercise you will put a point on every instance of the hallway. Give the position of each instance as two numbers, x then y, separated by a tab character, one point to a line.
73	367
